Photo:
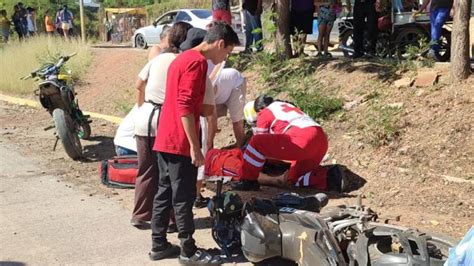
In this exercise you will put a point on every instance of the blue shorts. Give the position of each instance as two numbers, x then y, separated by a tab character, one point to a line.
326	16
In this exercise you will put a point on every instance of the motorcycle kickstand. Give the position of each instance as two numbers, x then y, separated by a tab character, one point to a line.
56	143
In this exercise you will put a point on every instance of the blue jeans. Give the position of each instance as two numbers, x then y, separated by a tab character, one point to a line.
438	17
122	151
251	23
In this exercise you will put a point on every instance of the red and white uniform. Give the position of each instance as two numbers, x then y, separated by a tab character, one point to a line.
284	132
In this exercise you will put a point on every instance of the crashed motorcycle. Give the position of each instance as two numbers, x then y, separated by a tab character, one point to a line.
302	230
56	94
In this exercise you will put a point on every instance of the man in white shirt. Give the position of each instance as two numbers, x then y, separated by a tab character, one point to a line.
124	141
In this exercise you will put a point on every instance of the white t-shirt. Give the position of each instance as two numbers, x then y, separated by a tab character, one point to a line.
124	136
227	80
155	72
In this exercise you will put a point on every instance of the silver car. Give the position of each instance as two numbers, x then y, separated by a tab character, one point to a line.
150	35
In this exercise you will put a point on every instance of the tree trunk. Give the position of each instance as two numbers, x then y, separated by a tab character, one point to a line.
460	62
283	46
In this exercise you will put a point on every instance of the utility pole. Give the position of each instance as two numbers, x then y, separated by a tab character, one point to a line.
81	14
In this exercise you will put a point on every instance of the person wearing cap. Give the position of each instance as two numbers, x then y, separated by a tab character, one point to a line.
283	132
178	147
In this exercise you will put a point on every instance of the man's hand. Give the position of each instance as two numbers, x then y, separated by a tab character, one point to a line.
197	159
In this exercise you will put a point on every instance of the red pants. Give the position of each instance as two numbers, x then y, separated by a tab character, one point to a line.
222	15
304	147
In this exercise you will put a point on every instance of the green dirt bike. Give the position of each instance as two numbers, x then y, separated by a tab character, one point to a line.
56	94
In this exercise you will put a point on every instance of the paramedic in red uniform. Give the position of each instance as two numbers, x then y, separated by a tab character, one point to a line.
283	132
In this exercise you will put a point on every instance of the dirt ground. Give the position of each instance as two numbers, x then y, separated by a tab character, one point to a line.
405	182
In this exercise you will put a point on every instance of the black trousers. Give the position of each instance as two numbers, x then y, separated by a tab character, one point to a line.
176	189
363	11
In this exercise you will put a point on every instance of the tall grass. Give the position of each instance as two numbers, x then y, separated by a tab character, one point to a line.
18	59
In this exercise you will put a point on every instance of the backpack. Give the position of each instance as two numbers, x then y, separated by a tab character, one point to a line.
224	163
119	172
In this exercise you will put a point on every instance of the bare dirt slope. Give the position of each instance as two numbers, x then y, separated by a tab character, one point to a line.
109	86
406	178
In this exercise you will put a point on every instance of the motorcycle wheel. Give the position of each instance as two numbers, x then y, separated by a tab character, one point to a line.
66	132
409	37
347	39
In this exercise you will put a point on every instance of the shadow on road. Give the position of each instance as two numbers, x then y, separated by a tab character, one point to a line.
100	148
11	263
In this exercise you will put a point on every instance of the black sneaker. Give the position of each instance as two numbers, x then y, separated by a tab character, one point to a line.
200	258
336	179
201	202
246	185
169	252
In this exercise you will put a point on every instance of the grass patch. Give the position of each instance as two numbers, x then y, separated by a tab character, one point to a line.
380	124
316	105
18	59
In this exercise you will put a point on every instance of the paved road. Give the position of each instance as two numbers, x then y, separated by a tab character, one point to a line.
45	221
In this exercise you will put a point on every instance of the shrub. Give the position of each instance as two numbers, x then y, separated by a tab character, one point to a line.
316	105
18	59
381	125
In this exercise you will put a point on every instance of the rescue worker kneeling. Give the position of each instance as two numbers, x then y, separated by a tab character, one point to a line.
283	132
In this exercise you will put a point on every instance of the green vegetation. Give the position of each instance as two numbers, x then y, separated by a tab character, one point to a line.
293	78
18	59
381	124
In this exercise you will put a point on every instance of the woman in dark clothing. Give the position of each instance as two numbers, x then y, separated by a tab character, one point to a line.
301	22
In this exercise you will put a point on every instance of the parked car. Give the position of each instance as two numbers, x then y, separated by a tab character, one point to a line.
150	35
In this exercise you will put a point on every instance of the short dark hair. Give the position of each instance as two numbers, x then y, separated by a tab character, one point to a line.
221	31
262	102
177	35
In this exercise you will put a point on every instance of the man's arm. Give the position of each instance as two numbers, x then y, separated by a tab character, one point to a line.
211	129
140	86
423	6
239	133
195	151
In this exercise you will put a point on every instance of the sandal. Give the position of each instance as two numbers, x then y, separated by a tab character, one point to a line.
200	257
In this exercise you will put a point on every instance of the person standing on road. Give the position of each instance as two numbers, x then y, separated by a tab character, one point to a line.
301	23
179	152
4	25
18	22
48	23
440	10
151	87
31	21
252	10
66	18
221	11
364	10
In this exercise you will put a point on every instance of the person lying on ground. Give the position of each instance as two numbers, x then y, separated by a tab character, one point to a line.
179	151
151	87
283	132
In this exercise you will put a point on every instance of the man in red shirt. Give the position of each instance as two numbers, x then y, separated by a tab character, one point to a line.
178	147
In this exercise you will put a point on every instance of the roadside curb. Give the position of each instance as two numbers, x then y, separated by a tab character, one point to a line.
31	103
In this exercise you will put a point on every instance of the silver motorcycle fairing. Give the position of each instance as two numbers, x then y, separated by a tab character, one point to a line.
300	236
